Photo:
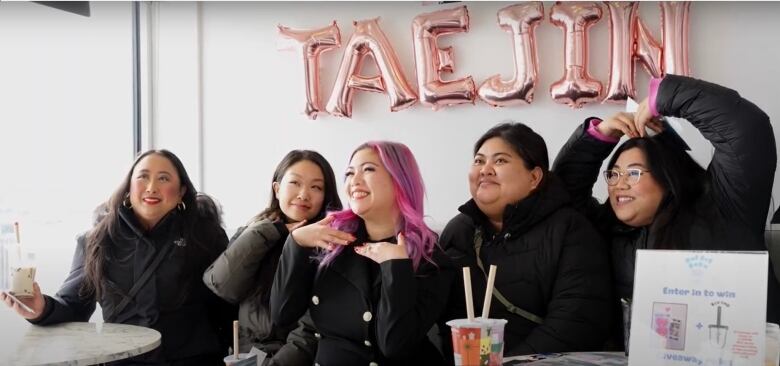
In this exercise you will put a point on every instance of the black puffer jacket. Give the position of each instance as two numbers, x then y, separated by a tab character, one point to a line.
551	262
739	178
194	323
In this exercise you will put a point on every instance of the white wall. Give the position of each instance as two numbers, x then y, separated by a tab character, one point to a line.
251	90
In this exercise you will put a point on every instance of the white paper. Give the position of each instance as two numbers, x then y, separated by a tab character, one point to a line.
698	308
631	105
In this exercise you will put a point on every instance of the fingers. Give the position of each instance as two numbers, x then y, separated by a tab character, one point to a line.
623	122
7	300
370	250
626	123
325	245
336	239
337	236
628	119
401	239
655	125
643	117
21	307
19	310
327	220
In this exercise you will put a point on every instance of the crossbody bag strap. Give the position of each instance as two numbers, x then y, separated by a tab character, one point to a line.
140	283
497	294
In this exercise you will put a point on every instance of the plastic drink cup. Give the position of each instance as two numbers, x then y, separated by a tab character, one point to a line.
478	342
625	305
22	281
244	359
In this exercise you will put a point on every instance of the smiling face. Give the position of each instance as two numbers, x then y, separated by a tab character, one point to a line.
155	189
499	177
635	205
369	187
301	191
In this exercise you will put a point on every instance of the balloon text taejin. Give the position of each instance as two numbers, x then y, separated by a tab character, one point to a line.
631	43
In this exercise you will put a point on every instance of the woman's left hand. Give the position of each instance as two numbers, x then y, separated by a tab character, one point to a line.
643	118
380	252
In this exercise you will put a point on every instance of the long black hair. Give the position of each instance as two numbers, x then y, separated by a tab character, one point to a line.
200	212
683	181
331	202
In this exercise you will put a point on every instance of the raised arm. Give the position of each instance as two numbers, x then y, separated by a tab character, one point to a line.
579	162
743	165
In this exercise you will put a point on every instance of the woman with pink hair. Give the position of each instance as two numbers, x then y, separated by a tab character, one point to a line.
373	277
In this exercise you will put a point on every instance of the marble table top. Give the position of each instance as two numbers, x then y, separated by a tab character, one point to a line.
569	359
81	344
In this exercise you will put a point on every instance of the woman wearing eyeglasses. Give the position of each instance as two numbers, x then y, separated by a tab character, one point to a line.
659	197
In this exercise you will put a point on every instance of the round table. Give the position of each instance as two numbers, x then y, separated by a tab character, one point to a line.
81	344
572	358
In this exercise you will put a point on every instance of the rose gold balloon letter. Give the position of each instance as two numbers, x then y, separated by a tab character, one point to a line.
369	39
431	60
576	87
308	45
631	40
520	21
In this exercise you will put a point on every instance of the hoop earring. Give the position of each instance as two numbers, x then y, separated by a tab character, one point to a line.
126	201
181	206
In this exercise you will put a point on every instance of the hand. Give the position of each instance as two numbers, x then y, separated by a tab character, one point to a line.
37	303
380	252
618	125
321	235
644	119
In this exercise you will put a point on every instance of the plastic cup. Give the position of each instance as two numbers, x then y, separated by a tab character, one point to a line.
478	342
772	344
625	305
22	281
244	359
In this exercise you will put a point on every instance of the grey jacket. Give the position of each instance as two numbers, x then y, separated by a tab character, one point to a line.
243	275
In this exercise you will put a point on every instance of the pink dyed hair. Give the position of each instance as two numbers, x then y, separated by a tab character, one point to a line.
409	192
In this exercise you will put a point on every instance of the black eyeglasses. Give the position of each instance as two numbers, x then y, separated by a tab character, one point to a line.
612	176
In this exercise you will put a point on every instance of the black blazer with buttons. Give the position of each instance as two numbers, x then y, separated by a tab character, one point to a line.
365	313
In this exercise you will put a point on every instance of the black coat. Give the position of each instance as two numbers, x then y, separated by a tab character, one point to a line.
364	312
194	323
243	275
738	186
551	262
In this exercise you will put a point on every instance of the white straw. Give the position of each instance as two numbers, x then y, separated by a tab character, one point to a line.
235	339
469	297
18	253
489	291
18	234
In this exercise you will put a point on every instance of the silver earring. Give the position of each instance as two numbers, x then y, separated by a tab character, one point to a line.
126	201
181	206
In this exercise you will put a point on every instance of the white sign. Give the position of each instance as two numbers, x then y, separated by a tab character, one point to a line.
698	308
